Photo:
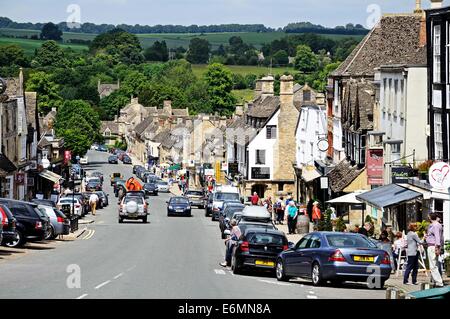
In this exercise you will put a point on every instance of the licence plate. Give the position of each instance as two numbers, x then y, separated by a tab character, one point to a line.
265	263
369	259
179	210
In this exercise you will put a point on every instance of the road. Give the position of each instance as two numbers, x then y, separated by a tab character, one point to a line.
169	257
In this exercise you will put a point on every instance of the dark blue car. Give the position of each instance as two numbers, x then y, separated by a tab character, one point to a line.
335	257
179	206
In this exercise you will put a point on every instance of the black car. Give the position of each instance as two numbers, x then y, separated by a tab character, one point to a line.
258	248
93	186
179	206
244	224
98	175
31	223
151	188
113	159
9	225
126	160
102	148
226	215
136	167
103	198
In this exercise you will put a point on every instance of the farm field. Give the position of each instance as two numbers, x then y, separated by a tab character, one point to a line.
174	40
200	69
30	45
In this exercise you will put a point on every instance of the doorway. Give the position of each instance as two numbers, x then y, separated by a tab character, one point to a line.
260	189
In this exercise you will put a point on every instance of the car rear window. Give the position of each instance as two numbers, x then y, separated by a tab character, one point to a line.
195	193
226	196
136	199
342	241
265	239
231	210
179	201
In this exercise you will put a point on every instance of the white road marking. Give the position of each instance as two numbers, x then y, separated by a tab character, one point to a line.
311	292
82	296
91	233
103	284
220	272
275	282
101	222
119	275
131	268
311	297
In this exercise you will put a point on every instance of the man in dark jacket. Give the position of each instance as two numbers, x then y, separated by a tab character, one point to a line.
365	230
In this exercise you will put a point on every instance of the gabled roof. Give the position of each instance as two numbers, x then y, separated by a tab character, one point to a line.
31	106
140	128
342	175
180	112
264	108
394	40
111	125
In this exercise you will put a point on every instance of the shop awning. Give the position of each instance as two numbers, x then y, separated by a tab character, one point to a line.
426	193
388	195
6	164
310	173
174	167
347	198
55	178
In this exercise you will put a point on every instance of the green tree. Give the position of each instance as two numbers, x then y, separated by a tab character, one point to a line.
50	54
12	54
198	52
47	91
220	83
281	58
305	60
157	52
50	31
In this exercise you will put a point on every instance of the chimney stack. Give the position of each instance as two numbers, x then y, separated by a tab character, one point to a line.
267	86
258	88
167	106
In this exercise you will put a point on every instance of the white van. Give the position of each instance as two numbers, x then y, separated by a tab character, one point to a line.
223	193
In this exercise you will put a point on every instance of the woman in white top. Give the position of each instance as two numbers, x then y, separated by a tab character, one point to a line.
398	246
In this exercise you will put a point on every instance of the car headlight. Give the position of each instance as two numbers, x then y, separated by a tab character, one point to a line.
170	207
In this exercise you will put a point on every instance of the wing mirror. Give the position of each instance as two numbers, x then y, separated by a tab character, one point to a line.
291	245
227	232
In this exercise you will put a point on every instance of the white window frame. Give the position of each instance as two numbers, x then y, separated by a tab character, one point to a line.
438	143
437	53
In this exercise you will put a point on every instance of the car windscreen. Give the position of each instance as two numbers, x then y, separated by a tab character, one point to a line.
265	239
162	183
231	210
179	201
68	200
194	193
226	196
41	213
351	241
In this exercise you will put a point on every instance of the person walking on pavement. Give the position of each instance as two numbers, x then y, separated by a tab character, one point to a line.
397	248
412	252
269	206
93	199
365	230
316	214
292	217
235	234
434	242
278	207
255	199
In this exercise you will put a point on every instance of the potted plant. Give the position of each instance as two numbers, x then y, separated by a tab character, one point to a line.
422	228
423	169
447	257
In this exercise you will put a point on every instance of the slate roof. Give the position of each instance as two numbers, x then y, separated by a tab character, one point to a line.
357	106
12	86
180	112
342	175
111	125
31	106
140	128
395	40
264	108
106	89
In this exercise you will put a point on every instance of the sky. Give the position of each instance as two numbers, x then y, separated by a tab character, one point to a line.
272	13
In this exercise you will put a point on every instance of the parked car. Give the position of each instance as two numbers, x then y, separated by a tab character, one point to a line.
258	248
120	155
113	159
102	148
75	203
98	175
57	221
115	176
133	206
84	200
84	160
135	167
119	184
335	257
196	197
221	195
126	160
1	227
9	225
46	202
104	200
179	206
209	204
255	217
163	186
139	172
31	223
229	208
151	188
93	185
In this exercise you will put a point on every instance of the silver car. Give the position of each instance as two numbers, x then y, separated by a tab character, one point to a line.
56	222
163	186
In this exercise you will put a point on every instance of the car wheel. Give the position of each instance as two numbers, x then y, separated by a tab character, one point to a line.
120	220
279	271
18	242
316	274
234	266
144	220
50	233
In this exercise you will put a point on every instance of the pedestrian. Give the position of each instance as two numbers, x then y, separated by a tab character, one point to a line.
235	234
412	252
309	208
316	214
434	242
180	185
398	247
365	229
384	237
292	217
93	199
255	199
269	206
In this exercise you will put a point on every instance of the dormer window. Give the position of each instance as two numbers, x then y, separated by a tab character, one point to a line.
307	95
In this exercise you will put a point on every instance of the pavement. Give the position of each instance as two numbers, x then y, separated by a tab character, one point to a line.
168	257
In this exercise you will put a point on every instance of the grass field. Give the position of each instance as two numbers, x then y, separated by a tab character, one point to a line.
243	95
200	69
174	40
30	45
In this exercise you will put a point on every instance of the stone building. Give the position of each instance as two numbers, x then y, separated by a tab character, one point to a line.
106	89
